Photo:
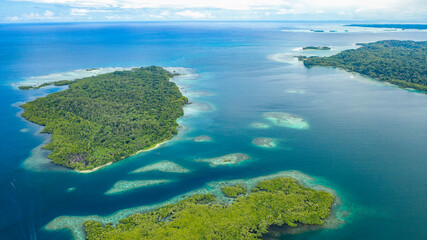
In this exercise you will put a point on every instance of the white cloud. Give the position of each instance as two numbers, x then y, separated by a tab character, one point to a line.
193	14
79	11
85	11
369	9
26	17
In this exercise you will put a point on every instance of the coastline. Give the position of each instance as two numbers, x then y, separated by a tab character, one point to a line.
75	223
172	70
94	169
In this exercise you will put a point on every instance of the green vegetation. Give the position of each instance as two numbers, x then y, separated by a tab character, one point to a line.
279	201
233	191
401	26
108	117
316	48
403	63
57	83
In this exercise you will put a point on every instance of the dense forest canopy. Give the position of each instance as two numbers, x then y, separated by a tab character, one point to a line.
108	117
403	63
279	201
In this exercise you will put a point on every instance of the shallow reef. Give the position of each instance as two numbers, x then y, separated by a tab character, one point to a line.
260	125
202	138
288	120
124	186
265	142
229	159
163	166
297	91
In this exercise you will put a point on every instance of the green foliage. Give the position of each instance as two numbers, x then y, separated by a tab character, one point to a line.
403	63
62	83
57	83
233	191
316	48
280	201
108	117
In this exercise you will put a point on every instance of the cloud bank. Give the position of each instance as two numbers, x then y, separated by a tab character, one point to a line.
237	9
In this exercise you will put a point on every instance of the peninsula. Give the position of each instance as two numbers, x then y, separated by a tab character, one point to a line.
402	63
103	119
247	215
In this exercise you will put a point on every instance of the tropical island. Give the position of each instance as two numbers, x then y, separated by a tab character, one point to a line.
402	63
103	119
316	48
395	25
280	201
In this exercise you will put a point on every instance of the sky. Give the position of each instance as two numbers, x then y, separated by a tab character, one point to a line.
15	11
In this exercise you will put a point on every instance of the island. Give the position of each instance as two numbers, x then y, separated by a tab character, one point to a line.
105	118
280	201
392	25
57	83
402	63
316	48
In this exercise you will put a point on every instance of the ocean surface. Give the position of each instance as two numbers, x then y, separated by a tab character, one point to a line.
366	140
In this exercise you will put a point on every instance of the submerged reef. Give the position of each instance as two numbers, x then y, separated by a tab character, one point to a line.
260	125
202	138
298	91
124	186
264	142
163	166
288	120
75	223
233	158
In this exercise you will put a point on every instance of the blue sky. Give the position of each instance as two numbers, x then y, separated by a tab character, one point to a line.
210	10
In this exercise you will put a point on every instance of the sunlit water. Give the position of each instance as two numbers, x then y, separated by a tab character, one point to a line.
362	138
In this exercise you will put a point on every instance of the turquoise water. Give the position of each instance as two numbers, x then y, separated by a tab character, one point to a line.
364	139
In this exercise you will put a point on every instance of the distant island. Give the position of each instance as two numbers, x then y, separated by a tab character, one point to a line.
103	119
403	63
316	48
280	201
400	26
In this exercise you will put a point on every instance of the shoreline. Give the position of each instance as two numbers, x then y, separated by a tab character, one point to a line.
74	224
109	163
19	114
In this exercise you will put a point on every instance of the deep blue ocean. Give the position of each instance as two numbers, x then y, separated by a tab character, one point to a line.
366	140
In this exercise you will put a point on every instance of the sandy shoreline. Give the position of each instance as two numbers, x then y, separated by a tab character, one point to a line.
107	164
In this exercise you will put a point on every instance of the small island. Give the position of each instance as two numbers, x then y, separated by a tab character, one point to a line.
391	25
103	119
280	201
316	48
402	63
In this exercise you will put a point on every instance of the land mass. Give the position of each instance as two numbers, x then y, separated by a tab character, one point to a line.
316	48
108	117
403	63
400	26
249	215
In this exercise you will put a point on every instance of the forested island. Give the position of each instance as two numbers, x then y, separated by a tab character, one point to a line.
103	119
274	202
403	63
388	25
316	48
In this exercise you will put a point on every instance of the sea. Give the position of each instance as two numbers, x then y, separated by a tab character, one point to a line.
364	139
